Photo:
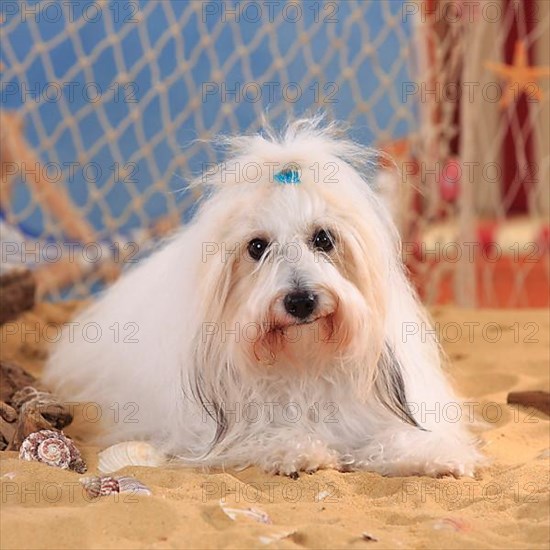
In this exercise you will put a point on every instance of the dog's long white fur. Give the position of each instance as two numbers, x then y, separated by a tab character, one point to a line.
221	375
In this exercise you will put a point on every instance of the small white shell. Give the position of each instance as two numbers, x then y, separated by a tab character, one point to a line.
252	513
129	453
273	537
131	485
322	495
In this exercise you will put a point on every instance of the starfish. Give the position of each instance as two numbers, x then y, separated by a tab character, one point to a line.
520	76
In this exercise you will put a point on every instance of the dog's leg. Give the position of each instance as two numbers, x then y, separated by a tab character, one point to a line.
409	429
405	450
291	452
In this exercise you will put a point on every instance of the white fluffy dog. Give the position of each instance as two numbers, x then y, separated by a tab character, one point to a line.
275	329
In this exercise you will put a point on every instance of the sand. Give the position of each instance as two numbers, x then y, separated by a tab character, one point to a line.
505	506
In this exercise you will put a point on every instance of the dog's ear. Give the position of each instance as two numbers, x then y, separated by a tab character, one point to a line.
215	279
389	387
212	405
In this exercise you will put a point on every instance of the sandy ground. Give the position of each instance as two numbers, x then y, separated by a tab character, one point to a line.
506	506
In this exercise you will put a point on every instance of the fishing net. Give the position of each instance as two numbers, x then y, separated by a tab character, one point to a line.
107	108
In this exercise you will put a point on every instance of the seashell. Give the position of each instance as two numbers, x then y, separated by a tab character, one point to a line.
253	513
321	496
129	453
54	449
273	537
452	524
544	454
101	486
132	485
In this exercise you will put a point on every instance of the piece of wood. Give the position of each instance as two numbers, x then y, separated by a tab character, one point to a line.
539	400
7	412
17	292
12	379
8	416
49	406
26	408
30	421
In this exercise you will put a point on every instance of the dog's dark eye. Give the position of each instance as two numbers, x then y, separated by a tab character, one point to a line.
322	240
256	248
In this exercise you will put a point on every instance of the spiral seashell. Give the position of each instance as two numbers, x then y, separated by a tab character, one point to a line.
91	485
101	486
129	453
52	448
54	452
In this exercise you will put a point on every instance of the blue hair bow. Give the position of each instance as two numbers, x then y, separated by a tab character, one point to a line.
288	176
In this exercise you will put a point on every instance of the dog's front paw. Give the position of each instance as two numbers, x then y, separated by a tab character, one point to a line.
428	467
420	453
454	469
308	455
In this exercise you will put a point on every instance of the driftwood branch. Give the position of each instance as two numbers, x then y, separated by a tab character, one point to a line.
25	408
17	291
12	379
539	400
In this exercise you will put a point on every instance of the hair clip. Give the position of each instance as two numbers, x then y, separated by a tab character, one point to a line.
288	176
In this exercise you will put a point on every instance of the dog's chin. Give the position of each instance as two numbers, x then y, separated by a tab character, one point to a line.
296	341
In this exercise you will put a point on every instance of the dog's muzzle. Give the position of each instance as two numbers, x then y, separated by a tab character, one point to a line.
300	304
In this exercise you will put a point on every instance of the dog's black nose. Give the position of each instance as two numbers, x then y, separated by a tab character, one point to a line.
300	304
